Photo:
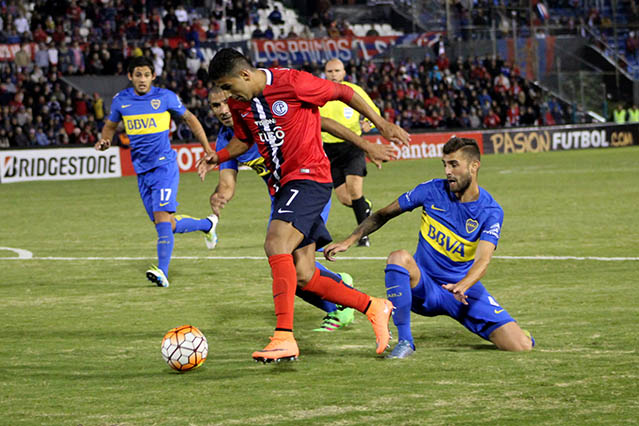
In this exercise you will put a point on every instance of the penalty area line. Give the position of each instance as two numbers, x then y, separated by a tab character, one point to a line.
26	255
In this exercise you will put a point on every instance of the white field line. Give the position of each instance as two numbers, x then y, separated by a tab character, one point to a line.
27	255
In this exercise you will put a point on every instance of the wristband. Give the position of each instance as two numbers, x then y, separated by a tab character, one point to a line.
223	155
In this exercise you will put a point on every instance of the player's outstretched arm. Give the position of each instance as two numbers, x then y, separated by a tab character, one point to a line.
224	190
377	153
107	136
483	256
388	130
234	149
198	131
368	226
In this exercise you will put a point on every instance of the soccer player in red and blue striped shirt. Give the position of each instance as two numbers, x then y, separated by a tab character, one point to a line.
278	110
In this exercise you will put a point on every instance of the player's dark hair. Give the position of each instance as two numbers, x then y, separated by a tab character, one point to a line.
226	62
140	61
468	146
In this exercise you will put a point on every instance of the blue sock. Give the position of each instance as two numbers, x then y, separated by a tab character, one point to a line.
185	224
315	299
398	291
165	245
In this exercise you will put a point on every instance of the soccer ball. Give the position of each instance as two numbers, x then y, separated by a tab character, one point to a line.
184	348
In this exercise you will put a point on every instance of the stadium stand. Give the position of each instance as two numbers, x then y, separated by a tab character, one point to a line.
38	107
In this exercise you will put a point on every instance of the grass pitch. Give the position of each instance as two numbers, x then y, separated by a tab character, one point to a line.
81	338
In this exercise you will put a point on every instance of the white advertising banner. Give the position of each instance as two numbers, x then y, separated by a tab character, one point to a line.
59	164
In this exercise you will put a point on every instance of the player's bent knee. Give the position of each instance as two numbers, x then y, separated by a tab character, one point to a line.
511	338
399	257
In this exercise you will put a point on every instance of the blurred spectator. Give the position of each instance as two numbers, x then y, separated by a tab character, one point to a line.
98	107
41	137
19	138
22	58
268	34
42	57
491	120
275	17
4	138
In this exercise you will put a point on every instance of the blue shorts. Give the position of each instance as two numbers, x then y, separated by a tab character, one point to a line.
301	203
482	315
158	188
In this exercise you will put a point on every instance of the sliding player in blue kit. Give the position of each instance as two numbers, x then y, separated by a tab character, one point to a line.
460	229
146	111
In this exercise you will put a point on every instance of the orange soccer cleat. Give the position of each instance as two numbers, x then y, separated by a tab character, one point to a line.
282	347
379	313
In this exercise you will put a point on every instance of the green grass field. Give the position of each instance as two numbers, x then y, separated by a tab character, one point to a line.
81	336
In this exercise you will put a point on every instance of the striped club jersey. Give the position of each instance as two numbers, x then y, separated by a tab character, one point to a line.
344	114
147	120
250	158
451	230
285	124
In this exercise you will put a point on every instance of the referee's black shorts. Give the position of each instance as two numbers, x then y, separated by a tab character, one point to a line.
346	159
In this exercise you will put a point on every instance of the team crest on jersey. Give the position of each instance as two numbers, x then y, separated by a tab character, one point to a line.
155	103
348	112
471	225
279	108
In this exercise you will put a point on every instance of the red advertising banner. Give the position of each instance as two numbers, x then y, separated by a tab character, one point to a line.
422	145
299	51
8	51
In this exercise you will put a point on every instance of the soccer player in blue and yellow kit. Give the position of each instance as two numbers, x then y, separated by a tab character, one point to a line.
460	229
146	111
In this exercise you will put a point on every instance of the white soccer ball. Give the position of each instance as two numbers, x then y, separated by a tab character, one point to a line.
184	348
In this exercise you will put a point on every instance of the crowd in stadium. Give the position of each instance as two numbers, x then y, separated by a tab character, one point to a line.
37	108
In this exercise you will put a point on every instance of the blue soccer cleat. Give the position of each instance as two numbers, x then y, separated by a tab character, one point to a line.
403	349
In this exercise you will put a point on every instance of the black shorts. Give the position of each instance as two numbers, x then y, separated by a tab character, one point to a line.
300	202
346	159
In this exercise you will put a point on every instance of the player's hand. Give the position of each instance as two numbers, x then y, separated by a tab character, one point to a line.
380	152
102	145
332	249
205	164
394	133
366	126
457	291
217	203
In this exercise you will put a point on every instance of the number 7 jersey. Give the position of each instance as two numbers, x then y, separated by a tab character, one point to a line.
285	123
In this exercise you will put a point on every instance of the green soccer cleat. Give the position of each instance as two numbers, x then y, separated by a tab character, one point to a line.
348	280
403	349
210	237
343	316
155	275
337	319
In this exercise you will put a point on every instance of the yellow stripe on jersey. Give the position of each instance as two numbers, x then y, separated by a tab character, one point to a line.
446	242
345	115
144	124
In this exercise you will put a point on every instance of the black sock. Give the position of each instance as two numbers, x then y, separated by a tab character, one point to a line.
362	209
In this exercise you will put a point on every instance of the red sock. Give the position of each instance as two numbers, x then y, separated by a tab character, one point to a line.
337	292
284	285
